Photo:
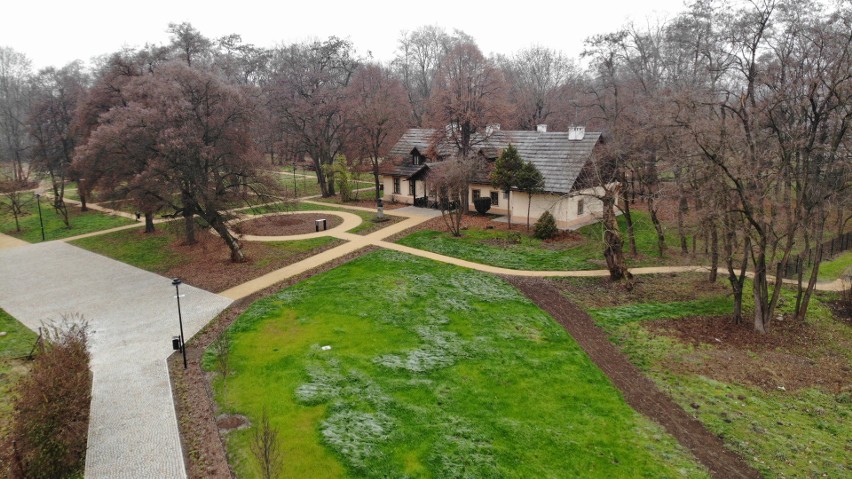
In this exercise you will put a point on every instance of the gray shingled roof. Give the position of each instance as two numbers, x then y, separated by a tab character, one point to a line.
559	159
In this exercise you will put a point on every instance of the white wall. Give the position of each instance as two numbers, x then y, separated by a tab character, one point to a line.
562	207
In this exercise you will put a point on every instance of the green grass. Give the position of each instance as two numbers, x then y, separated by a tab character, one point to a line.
801	433
153	252
839	267
517	250
17	342
367	224
150	252
433	371
54	228
654	310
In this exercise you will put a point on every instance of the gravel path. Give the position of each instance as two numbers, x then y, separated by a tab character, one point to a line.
132	316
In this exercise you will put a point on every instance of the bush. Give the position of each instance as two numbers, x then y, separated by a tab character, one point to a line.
482	205
51	416
545	227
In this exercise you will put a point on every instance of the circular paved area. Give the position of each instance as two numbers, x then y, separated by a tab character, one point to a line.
350	220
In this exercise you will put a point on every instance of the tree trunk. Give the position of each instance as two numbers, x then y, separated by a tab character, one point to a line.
529	206
631	235
376	178
219	226
661	237
737	281
613	244
189	225
149	222
682	209
714	253
508	206
762	308
802	306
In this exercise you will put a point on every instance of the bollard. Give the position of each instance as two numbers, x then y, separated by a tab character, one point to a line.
322	221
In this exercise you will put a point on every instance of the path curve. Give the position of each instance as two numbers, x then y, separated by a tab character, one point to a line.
350	220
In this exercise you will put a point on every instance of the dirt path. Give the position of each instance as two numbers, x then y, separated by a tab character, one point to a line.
642	394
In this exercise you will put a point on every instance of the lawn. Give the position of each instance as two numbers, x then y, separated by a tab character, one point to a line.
368	225
839	267
205	264
54	228
781	400
519	250
17	342
430	371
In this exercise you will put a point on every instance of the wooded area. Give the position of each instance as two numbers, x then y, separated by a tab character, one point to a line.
737	112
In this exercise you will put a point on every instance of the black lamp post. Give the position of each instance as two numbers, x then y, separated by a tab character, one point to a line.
40	220
176	283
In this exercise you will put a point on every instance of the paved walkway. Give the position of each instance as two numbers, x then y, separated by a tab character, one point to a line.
7	241
132	315
133	429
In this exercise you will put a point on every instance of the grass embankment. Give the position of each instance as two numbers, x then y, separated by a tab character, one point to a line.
54	228
518	250
779	399
432	371
839	267
17	342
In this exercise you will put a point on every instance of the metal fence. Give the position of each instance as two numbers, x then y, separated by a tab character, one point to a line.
804	260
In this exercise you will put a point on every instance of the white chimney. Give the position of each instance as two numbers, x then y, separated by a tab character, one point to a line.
490	129
542	128
576	132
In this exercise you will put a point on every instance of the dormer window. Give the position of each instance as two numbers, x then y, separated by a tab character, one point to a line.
417	158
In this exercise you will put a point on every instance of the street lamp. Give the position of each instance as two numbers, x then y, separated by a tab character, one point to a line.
40	220
176	283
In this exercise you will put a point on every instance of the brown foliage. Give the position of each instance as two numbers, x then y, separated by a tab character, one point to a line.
51	417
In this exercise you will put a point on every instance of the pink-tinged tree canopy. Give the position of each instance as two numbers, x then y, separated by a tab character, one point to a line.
182	139
376	114
469	93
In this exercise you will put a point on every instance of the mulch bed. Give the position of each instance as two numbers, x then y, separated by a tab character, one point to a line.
199	420
639	391
208	263
286	224
792	355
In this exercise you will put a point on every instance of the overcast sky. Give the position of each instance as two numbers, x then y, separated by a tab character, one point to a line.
53	32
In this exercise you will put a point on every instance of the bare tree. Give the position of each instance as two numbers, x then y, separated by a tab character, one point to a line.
189	45
15	96
418	56
307	93
51	125
374	113
266	448
469	94
538	77
183	140
450	179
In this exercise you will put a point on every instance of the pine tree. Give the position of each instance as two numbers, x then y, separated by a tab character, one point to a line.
505	174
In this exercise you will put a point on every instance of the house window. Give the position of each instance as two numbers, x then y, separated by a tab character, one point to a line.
412	188
580	207
476	194
495	198
396	187
417	159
